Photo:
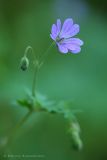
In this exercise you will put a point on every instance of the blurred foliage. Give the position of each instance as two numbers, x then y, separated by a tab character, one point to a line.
81	78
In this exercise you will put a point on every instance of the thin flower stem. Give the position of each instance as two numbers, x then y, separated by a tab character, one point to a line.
26	117
34	81
37	67
28	49
17	127
46	52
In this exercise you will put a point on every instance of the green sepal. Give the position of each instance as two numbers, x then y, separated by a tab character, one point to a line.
24	103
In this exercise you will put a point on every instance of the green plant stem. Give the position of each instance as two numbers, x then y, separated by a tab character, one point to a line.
17	127
46	52
27	51
34	81
37	67
26	117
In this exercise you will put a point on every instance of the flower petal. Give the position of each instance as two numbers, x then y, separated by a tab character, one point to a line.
58	25
77	50
74	48
73	30
54	31
62	48
73	41
77	41
53	37
66	27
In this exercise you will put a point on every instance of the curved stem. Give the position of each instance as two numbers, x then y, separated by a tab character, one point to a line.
27	49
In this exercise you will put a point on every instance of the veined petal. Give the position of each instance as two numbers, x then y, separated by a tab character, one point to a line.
77	41
54	31
58	25
66	26
77	50
62	48
71	46
53	36
74	48
74	41
73	30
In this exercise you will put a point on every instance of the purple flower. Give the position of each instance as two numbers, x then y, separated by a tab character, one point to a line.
63	36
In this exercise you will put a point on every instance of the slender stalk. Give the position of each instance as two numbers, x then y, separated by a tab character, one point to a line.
28	49
46	52
25	118
17	127
34	81
37	67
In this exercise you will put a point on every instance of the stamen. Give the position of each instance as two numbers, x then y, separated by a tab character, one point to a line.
59	40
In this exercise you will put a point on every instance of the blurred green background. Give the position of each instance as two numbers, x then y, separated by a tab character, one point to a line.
80	78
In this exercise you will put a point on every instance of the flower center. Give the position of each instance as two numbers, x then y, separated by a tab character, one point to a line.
59	40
